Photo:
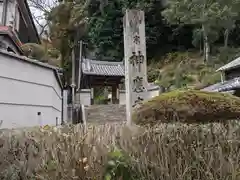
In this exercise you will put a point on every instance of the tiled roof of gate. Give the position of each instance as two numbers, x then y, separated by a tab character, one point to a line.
225	86
233	64
102	68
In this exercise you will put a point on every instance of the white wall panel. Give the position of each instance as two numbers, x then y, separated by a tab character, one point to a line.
25	90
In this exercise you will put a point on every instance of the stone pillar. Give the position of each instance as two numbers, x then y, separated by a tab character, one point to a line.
65	106
118	95
92	96
115	96
222	76
135	59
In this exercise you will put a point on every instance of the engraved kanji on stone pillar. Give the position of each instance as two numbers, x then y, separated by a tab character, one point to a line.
135	59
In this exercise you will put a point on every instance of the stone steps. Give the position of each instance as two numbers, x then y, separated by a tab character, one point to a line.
105	113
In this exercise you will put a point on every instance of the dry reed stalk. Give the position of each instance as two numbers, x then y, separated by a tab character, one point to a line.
165	152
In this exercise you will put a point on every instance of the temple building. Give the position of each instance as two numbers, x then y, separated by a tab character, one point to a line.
96	74
17	26
101	74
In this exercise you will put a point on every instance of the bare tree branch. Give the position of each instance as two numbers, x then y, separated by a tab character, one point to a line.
40	9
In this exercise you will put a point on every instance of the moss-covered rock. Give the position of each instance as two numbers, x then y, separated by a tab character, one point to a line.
44	54
188	106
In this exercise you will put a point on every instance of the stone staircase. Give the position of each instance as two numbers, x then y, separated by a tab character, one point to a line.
101	114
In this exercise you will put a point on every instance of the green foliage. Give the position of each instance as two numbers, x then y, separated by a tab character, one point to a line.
153	73
119	167
100	100
214	14
105	31
228	54
214	17
67	20
211	78
182	70
189	106
54	53
105	28
100	24
61	32
197	37
176	56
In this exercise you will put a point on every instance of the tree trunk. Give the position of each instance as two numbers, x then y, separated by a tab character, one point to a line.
204	50
206	44
201	45
207	49
226	37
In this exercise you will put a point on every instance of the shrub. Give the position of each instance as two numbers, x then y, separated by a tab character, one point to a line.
119	167
188	106
153	74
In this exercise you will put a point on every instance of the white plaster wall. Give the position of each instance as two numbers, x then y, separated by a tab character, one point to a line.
85	97
122	97
153	93
27	89
1	10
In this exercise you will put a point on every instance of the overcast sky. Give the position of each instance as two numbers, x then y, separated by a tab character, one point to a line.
39	14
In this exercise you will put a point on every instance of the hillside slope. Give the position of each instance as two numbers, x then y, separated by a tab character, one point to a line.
188	70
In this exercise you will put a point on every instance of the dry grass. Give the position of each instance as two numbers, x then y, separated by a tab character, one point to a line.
165	152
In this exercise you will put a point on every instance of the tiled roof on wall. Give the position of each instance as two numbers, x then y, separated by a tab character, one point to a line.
225	86
56	70
233	64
